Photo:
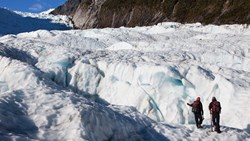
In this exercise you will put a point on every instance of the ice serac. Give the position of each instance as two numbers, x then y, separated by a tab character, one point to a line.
130	13
33	107
161	92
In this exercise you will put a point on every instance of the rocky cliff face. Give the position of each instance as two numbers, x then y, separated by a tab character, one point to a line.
116	13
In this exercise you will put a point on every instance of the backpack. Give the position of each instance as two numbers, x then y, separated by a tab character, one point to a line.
216	107
195	107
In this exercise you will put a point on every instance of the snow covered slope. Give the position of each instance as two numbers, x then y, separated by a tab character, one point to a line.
17	22
124	83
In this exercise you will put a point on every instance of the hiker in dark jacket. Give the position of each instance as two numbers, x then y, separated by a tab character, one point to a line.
198	111
215	109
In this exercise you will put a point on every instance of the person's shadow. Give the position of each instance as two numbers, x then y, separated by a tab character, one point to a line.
13	23
227	129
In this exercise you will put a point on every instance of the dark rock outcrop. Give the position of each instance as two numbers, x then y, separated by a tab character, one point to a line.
130	13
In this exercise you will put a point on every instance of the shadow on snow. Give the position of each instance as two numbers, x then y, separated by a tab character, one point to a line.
12	23
14	118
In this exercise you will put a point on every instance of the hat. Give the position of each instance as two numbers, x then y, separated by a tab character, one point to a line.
213	99
198	98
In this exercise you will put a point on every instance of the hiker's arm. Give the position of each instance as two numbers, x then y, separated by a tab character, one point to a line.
189	104
220	108
202	112
209	108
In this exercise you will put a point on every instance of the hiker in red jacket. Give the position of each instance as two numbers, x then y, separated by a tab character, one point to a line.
215	109
198	112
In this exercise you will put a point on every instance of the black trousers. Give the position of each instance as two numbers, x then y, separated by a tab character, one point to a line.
198	119
216	121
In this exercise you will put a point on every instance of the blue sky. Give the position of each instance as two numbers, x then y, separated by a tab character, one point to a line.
34	6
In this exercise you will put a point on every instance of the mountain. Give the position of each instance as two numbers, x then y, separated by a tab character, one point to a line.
122	84
131	13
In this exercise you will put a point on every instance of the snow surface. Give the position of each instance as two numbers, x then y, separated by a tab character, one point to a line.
120	84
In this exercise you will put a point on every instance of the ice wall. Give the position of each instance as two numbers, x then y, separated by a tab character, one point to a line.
34	107
160	92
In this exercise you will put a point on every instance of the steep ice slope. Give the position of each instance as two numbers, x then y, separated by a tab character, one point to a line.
34	107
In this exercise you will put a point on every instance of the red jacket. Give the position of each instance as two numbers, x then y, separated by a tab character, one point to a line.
200	107
214	107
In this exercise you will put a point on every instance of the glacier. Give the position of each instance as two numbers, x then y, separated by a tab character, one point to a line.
122	83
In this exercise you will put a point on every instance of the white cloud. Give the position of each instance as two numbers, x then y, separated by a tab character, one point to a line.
36	7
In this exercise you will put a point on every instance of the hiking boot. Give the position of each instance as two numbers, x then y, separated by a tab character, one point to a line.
218	131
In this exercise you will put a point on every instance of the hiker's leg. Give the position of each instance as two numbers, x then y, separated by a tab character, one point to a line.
217	119
218	122
196	120
213	119
200	119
